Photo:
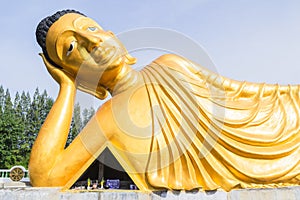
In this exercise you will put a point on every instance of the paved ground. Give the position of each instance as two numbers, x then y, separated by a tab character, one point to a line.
31	193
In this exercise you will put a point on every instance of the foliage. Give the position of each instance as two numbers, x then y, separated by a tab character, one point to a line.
20	122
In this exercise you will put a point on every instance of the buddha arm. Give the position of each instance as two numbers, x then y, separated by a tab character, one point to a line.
83	150
51	164
53	134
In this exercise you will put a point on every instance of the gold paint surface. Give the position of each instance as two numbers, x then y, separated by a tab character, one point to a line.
173	125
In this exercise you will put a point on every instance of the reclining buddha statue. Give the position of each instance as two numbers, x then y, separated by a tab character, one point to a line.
171	125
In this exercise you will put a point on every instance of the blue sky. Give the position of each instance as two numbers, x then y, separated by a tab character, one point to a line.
253	40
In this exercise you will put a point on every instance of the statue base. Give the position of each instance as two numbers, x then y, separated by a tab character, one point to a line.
32	193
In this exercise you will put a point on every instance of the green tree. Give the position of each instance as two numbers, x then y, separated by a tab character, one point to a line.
21	146
45	104
33	120
21	120
76	124
1	99
87	113
25	104
37	113
10	130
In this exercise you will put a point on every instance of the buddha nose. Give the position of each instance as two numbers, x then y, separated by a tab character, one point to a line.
90	40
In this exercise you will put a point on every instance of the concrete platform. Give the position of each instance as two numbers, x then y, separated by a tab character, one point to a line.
30	193
13	184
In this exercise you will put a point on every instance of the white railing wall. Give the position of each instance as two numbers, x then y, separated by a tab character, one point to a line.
4	175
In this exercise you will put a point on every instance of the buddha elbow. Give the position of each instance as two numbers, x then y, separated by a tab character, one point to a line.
39	178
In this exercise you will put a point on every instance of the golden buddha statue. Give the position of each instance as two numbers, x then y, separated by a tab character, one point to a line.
173	124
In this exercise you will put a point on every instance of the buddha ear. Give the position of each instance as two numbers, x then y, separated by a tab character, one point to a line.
111	33
129	59
100	92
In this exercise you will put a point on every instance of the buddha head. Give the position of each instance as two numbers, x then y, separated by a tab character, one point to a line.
77	44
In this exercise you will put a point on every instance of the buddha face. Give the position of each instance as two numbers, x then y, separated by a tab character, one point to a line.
75	42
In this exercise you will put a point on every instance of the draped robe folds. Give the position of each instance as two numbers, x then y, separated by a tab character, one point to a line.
209	131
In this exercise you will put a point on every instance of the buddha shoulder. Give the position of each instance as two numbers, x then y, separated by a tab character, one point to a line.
172	60
180	64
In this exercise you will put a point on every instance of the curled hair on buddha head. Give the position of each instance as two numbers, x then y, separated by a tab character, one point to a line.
43	28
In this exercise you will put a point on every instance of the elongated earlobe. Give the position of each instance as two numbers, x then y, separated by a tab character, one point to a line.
129	59
100	92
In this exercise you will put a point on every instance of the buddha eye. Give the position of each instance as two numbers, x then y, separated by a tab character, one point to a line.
92	28
71	48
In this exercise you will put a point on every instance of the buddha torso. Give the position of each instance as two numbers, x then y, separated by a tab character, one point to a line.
192	128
